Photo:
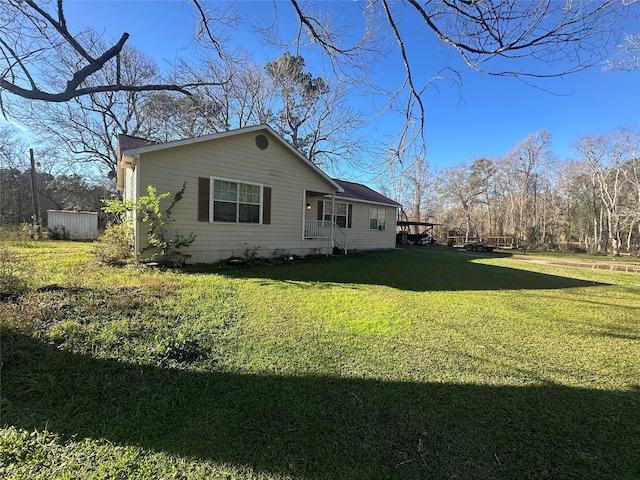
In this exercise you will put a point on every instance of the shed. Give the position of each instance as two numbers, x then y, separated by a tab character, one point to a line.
69	225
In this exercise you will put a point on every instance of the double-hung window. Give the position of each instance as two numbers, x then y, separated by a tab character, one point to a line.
236	202
377	219
340	215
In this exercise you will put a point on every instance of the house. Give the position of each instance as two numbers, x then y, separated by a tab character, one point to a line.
249	192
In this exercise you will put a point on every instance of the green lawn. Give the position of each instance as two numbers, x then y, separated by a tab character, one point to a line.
410	364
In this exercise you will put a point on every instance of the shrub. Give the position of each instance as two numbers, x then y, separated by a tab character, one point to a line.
115	247
57	233
21	234
164	244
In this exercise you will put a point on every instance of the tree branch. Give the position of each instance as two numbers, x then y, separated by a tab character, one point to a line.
204	22
21	53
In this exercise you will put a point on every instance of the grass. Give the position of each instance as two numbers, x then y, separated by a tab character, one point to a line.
411	363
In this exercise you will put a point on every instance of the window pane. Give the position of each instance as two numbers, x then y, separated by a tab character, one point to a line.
249	213
236	202
249	193
382	217
341	221
341	208
224	190
224	212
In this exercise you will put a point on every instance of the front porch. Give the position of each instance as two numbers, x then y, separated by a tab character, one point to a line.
324	220
326	230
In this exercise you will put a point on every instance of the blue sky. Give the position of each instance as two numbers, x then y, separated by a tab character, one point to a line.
486	117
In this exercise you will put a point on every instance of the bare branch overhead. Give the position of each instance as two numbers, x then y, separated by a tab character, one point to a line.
36	38
530	39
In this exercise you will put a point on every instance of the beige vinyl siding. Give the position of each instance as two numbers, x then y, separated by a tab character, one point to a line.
361	238
238	158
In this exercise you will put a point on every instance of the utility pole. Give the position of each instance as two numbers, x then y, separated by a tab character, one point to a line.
37	224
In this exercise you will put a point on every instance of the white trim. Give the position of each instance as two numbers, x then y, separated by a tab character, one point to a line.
334	215
212	179
136	230
333	223
304	214
377	219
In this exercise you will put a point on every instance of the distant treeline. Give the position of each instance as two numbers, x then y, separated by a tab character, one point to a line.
59	192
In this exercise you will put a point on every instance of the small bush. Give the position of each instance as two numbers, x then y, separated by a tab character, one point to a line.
115	248
162	244
57	232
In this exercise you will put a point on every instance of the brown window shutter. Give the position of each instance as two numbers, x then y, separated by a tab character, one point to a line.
204	186
349	215
320	210
266	205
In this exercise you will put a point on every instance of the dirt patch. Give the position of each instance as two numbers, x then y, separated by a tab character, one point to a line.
593	264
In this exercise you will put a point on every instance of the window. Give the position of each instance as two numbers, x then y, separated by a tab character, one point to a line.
340	216
236	202
377	219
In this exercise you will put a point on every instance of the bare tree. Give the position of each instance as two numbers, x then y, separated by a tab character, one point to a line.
525	166
35	37
237	92
331	138
309	112
10	148
482	173
495	37
610	160
168	117
632	176
569	202
87	126
627	56
413	185
459	190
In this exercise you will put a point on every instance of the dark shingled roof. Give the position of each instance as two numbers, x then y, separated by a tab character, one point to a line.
127	142
357	191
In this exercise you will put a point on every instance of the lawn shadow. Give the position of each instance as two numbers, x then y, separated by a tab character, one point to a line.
414	269
318	427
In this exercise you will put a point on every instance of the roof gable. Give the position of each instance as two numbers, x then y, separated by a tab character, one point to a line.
135	149
127	142
357	191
